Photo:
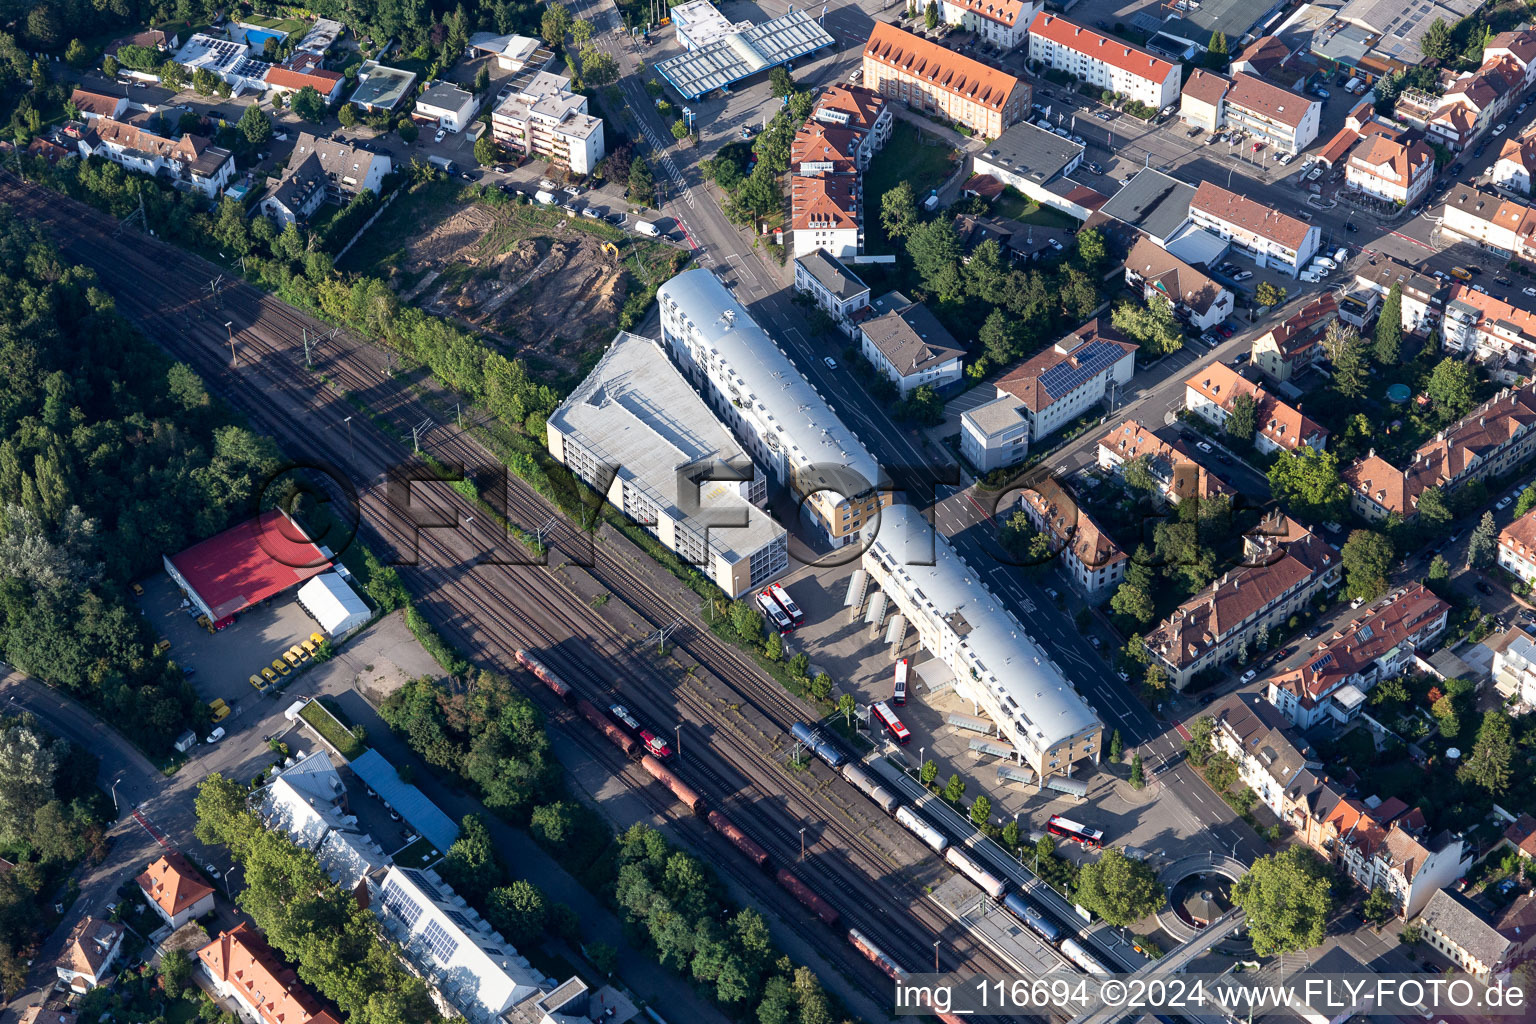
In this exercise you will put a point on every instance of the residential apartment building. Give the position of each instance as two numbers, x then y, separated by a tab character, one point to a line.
1269	756
1267	236
1203	100
192	160
1392	171
1462	936
1212	391
828	156
89	953
1490	220
308	802
1516	164
304	70
1193	295
1103	62
545	119
1423	297
96	104
827	212
1003	23
785	426
1179	474
1285	120
1500	335
1514	667
445	105
1295	343
1092	560
1379	644
1044	393
1490	441
1390	848
240	966
833	287
1517	547
1284	567
860	111
910	348
979	646
324	169
934	79
1037	163
635	431
175	890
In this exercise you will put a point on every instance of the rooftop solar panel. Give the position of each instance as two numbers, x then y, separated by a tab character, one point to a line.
1067	376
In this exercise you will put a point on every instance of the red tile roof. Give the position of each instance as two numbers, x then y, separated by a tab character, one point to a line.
1182	471
1300	331
1250	215
96	103
173	883
861	106
1273	102
1071	526
821	143
1111	51
1338	146
826	202
940	67
242	959
1383	626
1004	12
1283	424
1023	381
1392	161
1206	86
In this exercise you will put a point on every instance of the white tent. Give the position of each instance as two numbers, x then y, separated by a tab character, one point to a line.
333	604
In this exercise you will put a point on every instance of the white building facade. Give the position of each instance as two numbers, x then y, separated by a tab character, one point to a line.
1103	62
1003	23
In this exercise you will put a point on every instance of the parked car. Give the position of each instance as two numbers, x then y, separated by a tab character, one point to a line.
1503	503
215	736
442	133
1224	330
1483	587
1078	140
1243	275
1498	129
1095	167
1249	676
1461	273
1194	132
572	190
1204	446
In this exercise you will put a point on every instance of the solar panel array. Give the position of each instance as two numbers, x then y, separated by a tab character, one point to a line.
442	945
399	902
421	882
1069	375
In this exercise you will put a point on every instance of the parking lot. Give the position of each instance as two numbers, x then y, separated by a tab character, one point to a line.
220	664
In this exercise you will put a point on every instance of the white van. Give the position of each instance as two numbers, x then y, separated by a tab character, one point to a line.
646	227
1310	276
545	197
1324	261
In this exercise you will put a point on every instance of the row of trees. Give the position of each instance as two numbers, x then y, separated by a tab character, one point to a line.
337	944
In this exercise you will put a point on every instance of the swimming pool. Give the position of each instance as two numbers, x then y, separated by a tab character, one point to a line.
257	38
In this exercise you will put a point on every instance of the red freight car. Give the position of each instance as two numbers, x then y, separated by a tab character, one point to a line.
621	739
876	955
547	677
814	903
679	788
738	838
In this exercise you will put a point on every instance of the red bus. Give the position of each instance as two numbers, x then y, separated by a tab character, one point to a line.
1068	829
899	692
777	616
888	719
781	596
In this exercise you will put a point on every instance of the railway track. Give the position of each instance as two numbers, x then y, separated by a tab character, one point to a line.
279	358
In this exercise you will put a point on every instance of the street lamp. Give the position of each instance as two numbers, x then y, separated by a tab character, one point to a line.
116	811
229	325
350	453
678	730
936	955
802	844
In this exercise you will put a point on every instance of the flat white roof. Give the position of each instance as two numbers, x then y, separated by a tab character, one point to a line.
1046	708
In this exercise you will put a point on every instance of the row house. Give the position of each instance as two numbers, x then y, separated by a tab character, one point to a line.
1269	756
1517	547
240	966
1422	297
934	79
1295	343
1390	170
1487	218
910	348
1516	164
1284	567
1193	295
191	160
1498	334
1093	561
860	111
1179	475
1478	99
1518	47
1212	392
1463	936
1003	23
1270	238
835	289
1490	441
1379	644
1104	62
1040	395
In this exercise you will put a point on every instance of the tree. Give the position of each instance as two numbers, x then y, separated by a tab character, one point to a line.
679	129
407	130
986	275
934	249
172	75
847	705
1378	906
1092	249
1155	679
1437	44
1367	557
981	811
485	150
1011	834
346	114
997	337
1116	747
309	104
954	789
598	68
898	211
1198	747
1306	483
1349	372
255	125
175	969
1388	348
1152	326
642	186
1138	779
1134	603
1243	420
1492	754
76	54
779	82
928	772
1526	501
471	865
109	66
773	647
1439	569
1288	899
483	77
1450	388
1118	888
581	31
554	23
821	686
518	911
204	82
1483	545
1268	294
931	15
29	761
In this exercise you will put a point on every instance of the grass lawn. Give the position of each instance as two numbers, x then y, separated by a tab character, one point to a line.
1019	208
912	155
408	217
330	727
420	854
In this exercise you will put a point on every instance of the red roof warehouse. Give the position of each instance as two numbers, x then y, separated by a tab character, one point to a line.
245	565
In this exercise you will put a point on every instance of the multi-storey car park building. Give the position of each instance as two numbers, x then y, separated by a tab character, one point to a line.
995	663
789	429
635	431
775	412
